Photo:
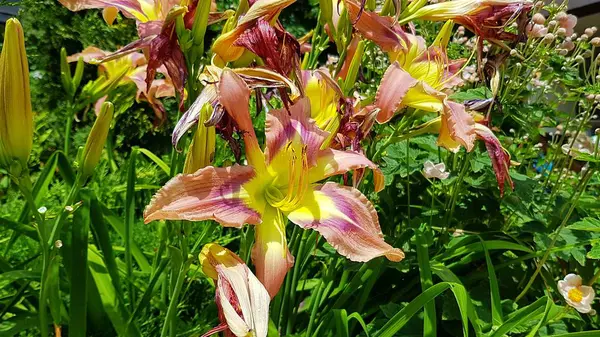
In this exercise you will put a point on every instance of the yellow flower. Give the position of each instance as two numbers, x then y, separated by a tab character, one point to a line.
16	117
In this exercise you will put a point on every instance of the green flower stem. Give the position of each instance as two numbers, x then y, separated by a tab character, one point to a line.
573	202
26	189
63	214
456	188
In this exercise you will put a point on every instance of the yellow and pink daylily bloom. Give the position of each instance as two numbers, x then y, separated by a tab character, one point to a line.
417	77
278	184
242	301
127	69
227	46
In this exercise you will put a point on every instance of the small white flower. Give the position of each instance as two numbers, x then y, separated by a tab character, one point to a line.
431	170
578	296
69	208
58	244
42	210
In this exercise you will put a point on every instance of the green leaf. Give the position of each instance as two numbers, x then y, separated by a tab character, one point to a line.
403	316
594	253
159	162
477	93
79	249
430	318
580	334
489	245
14	275
587	224
110	301
495	291
522	316
52	285
129	219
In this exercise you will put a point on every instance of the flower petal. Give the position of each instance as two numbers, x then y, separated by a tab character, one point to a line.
210	193
457	124
293	127
395	84
332	162
270	254
347	220
276	47
224	46
234	95
191	116
379	29
130	8
500	158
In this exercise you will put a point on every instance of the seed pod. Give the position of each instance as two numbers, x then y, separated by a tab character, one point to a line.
16	117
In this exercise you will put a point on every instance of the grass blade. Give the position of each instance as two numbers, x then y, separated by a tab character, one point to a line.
430	319
79	250
521	316
403	316
129	219
497	317
159	162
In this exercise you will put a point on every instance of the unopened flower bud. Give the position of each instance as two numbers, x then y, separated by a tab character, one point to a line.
594	29
587	54
552	24
202	149
538	18
597	131
590	97
548	38
42	210
562	52
596	42
58	244
579	59
574	36
96	139
538	5
561	32
513	52
584	37
16	117
597	98
588	32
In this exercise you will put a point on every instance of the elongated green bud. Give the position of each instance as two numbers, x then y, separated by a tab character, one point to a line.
65	72
78	73
96	139
16	117
202	150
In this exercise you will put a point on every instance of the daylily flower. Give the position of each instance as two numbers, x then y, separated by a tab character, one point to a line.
156	28
577	295
417	76
485	18
127	69
431	170
278	184
242	301
229	48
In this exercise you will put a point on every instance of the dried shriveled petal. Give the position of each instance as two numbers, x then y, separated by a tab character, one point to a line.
276	47
379	29
347	220
499	156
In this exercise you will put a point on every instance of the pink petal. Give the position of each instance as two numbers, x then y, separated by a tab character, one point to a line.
458	124
211	193
347	220
332	162
90	53
234	95
127	7
395	84
270	254
379	29
283	126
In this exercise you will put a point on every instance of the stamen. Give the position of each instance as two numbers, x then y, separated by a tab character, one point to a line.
575	295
